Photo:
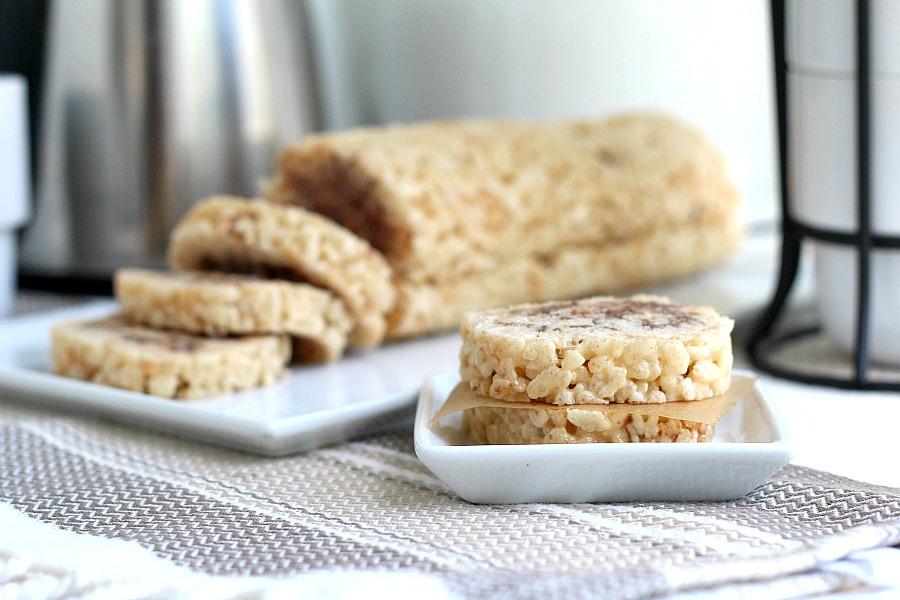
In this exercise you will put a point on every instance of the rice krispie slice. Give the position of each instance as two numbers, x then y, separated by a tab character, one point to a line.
219	304
496	425
113	352
237	235
638	349
439	199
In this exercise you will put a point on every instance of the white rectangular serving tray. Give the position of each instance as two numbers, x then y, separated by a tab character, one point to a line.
365	392
751	443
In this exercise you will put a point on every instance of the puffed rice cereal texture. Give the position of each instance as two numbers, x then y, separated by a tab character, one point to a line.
220	304
237	235
112	352
599	350
497	425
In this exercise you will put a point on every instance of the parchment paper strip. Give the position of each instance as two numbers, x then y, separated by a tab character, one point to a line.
709	410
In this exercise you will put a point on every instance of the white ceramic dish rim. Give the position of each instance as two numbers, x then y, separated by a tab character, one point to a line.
503	474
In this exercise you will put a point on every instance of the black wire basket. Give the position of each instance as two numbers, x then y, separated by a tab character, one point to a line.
774	347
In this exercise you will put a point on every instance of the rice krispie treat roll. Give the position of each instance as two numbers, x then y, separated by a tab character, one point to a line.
438	199
639	349
112	352
495	425
220	304
236	235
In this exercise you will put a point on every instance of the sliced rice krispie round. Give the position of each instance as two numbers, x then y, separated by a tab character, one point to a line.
219	304
237	235
638	349
569	425
113	352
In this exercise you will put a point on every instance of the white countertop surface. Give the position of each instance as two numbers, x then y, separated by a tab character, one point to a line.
847	433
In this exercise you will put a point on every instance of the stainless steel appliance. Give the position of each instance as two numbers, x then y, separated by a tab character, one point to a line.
149	106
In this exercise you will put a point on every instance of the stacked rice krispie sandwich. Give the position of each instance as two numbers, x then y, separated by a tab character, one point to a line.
373	235
601	369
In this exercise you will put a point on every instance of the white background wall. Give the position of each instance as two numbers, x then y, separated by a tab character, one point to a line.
708	61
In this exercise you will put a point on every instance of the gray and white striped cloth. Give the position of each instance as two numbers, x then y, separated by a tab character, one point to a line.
369	508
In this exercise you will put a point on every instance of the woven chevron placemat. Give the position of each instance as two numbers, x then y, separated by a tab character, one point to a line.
371	506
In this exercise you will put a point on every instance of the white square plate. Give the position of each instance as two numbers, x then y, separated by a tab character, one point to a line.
365	392
750	444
